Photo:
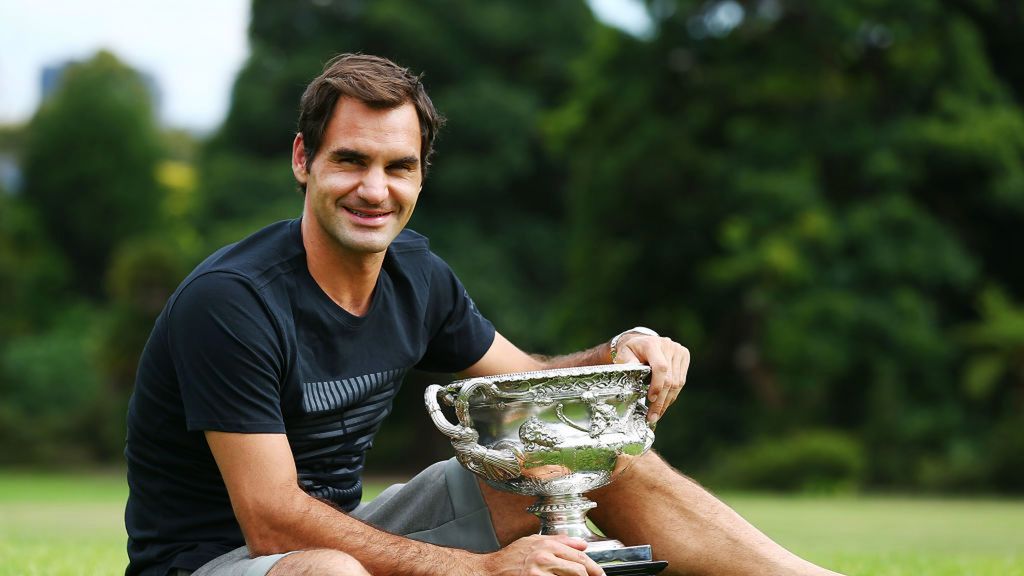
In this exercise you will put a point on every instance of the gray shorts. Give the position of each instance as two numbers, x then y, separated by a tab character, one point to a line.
442	505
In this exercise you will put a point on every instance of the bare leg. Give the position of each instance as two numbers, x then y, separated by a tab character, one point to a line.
652	503
318	563
509	517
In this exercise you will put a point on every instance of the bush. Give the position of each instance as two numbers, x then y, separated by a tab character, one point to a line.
1007	455
49	387
961	467
810	461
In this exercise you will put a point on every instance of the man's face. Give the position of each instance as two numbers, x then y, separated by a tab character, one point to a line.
362	185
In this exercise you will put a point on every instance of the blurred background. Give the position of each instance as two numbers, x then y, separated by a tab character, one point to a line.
823	201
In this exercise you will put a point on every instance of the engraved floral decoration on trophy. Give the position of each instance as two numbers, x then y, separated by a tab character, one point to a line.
536	434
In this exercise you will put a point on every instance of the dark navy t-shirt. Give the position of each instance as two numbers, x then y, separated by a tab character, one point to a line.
250	343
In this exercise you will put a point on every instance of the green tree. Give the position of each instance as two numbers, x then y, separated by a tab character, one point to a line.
142	276
806	194
49	389
33	275
492	204
993	379
89	164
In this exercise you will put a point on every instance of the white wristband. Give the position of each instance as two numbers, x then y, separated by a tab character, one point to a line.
615	341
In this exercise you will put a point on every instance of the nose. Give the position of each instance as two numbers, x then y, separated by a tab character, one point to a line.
374	187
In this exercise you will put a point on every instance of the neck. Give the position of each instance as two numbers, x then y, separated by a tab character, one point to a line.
347	278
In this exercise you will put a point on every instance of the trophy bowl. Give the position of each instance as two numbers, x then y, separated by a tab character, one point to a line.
554	434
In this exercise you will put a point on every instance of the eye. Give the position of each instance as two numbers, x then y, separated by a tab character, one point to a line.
402	166
348	158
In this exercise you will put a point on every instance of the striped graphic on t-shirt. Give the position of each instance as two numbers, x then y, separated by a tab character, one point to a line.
332	394
341	418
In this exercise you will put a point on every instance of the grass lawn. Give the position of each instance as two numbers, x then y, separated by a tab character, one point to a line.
57	525
891	536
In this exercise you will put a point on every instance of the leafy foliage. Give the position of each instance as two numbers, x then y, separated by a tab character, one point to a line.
49	389
808	461
90	164
484	71
810	196
803	191
32	273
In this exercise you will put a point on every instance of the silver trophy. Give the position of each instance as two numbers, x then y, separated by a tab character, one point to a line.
554	434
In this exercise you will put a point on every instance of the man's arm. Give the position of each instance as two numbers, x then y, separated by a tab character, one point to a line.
669	362
277	516
652	503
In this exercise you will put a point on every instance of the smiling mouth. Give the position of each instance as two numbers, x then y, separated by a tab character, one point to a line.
367	214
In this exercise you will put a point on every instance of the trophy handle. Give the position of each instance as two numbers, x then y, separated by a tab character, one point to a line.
495	465
639	419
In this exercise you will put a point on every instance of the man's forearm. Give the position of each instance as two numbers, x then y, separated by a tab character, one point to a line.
600	354
311	524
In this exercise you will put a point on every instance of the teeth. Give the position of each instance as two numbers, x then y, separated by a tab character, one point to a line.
362	214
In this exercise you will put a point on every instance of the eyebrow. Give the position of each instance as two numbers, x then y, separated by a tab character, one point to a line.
347	154
409	161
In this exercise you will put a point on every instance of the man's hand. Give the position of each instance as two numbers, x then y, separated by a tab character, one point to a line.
669	362
542	555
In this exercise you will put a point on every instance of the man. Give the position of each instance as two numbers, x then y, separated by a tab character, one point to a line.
274	363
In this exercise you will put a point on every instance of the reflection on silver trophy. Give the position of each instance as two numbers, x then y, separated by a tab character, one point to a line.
554	434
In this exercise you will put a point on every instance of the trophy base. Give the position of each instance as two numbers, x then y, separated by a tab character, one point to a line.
627	561
634	568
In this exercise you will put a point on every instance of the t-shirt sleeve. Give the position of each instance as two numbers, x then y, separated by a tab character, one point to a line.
460	333
225	350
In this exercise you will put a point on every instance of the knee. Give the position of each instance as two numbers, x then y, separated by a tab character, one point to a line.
643	471
650	464
319	563
341	564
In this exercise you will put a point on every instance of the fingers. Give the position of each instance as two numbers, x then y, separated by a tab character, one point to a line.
681	366
661	381
579	562
669	362
626	356
559	555
571	558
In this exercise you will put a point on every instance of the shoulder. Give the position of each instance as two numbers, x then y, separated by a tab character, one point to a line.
263	255
259	258
410	252
409	241
239	272
411	265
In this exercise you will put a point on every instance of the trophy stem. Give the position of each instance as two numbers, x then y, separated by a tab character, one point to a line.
566	514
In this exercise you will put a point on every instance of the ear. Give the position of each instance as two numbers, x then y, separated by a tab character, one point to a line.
299	159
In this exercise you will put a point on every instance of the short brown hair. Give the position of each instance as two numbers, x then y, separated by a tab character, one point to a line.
374	81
